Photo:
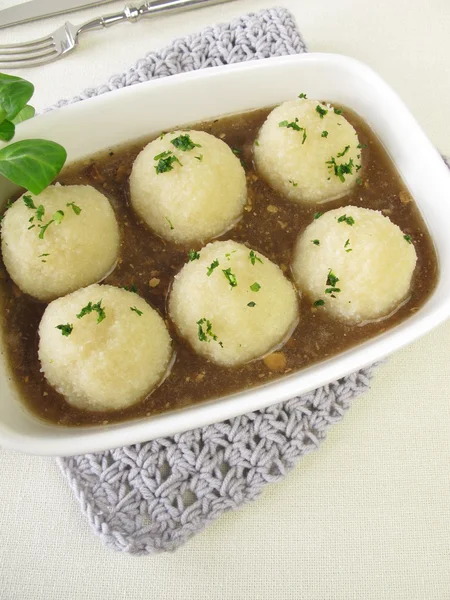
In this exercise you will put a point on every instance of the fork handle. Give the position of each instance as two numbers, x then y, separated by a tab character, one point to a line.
132	13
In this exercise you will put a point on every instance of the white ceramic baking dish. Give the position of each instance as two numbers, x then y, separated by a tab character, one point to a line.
130	113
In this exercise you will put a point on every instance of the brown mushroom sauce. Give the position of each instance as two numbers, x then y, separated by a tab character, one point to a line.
270	225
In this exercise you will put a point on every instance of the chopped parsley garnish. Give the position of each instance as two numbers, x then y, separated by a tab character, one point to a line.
361	146
408	238
345	219
342	169
97	307
324	134
193	255
66	329
76	209
332	281
302	96
199	157
29	202
319	302
347	243
164	154
228	254
136	310
344	151
170	223
255	287
165	161
42	255
40	211
205	332
322	112
212	266
230	276
251	304
43	228
338	111
358	168
331	278
316	242
358	181
130	288
58	216
294	183
202	334
256	143
317	215
253	258
292	125
184	143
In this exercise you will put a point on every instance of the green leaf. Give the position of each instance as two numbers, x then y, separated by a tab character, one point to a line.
14	94
26	113
7	130
2	114
32	164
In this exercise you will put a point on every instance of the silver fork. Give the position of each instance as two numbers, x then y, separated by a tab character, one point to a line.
65	39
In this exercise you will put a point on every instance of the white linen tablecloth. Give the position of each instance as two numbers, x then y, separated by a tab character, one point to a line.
368	516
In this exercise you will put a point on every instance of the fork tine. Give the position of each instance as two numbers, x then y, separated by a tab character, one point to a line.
33	43
26	51
21	61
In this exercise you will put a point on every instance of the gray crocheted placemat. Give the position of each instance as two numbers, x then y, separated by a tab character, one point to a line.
153	497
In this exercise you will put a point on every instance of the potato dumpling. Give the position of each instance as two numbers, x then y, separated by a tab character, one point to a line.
188	186
308	152
103	348
65	238
354	263
232	304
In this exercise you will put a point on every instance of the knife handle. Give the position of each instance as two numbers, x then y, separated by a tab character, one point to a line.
156	6
132	13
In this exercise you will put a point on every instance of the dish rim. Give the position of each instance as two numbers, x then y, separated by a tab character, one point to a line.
62	441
